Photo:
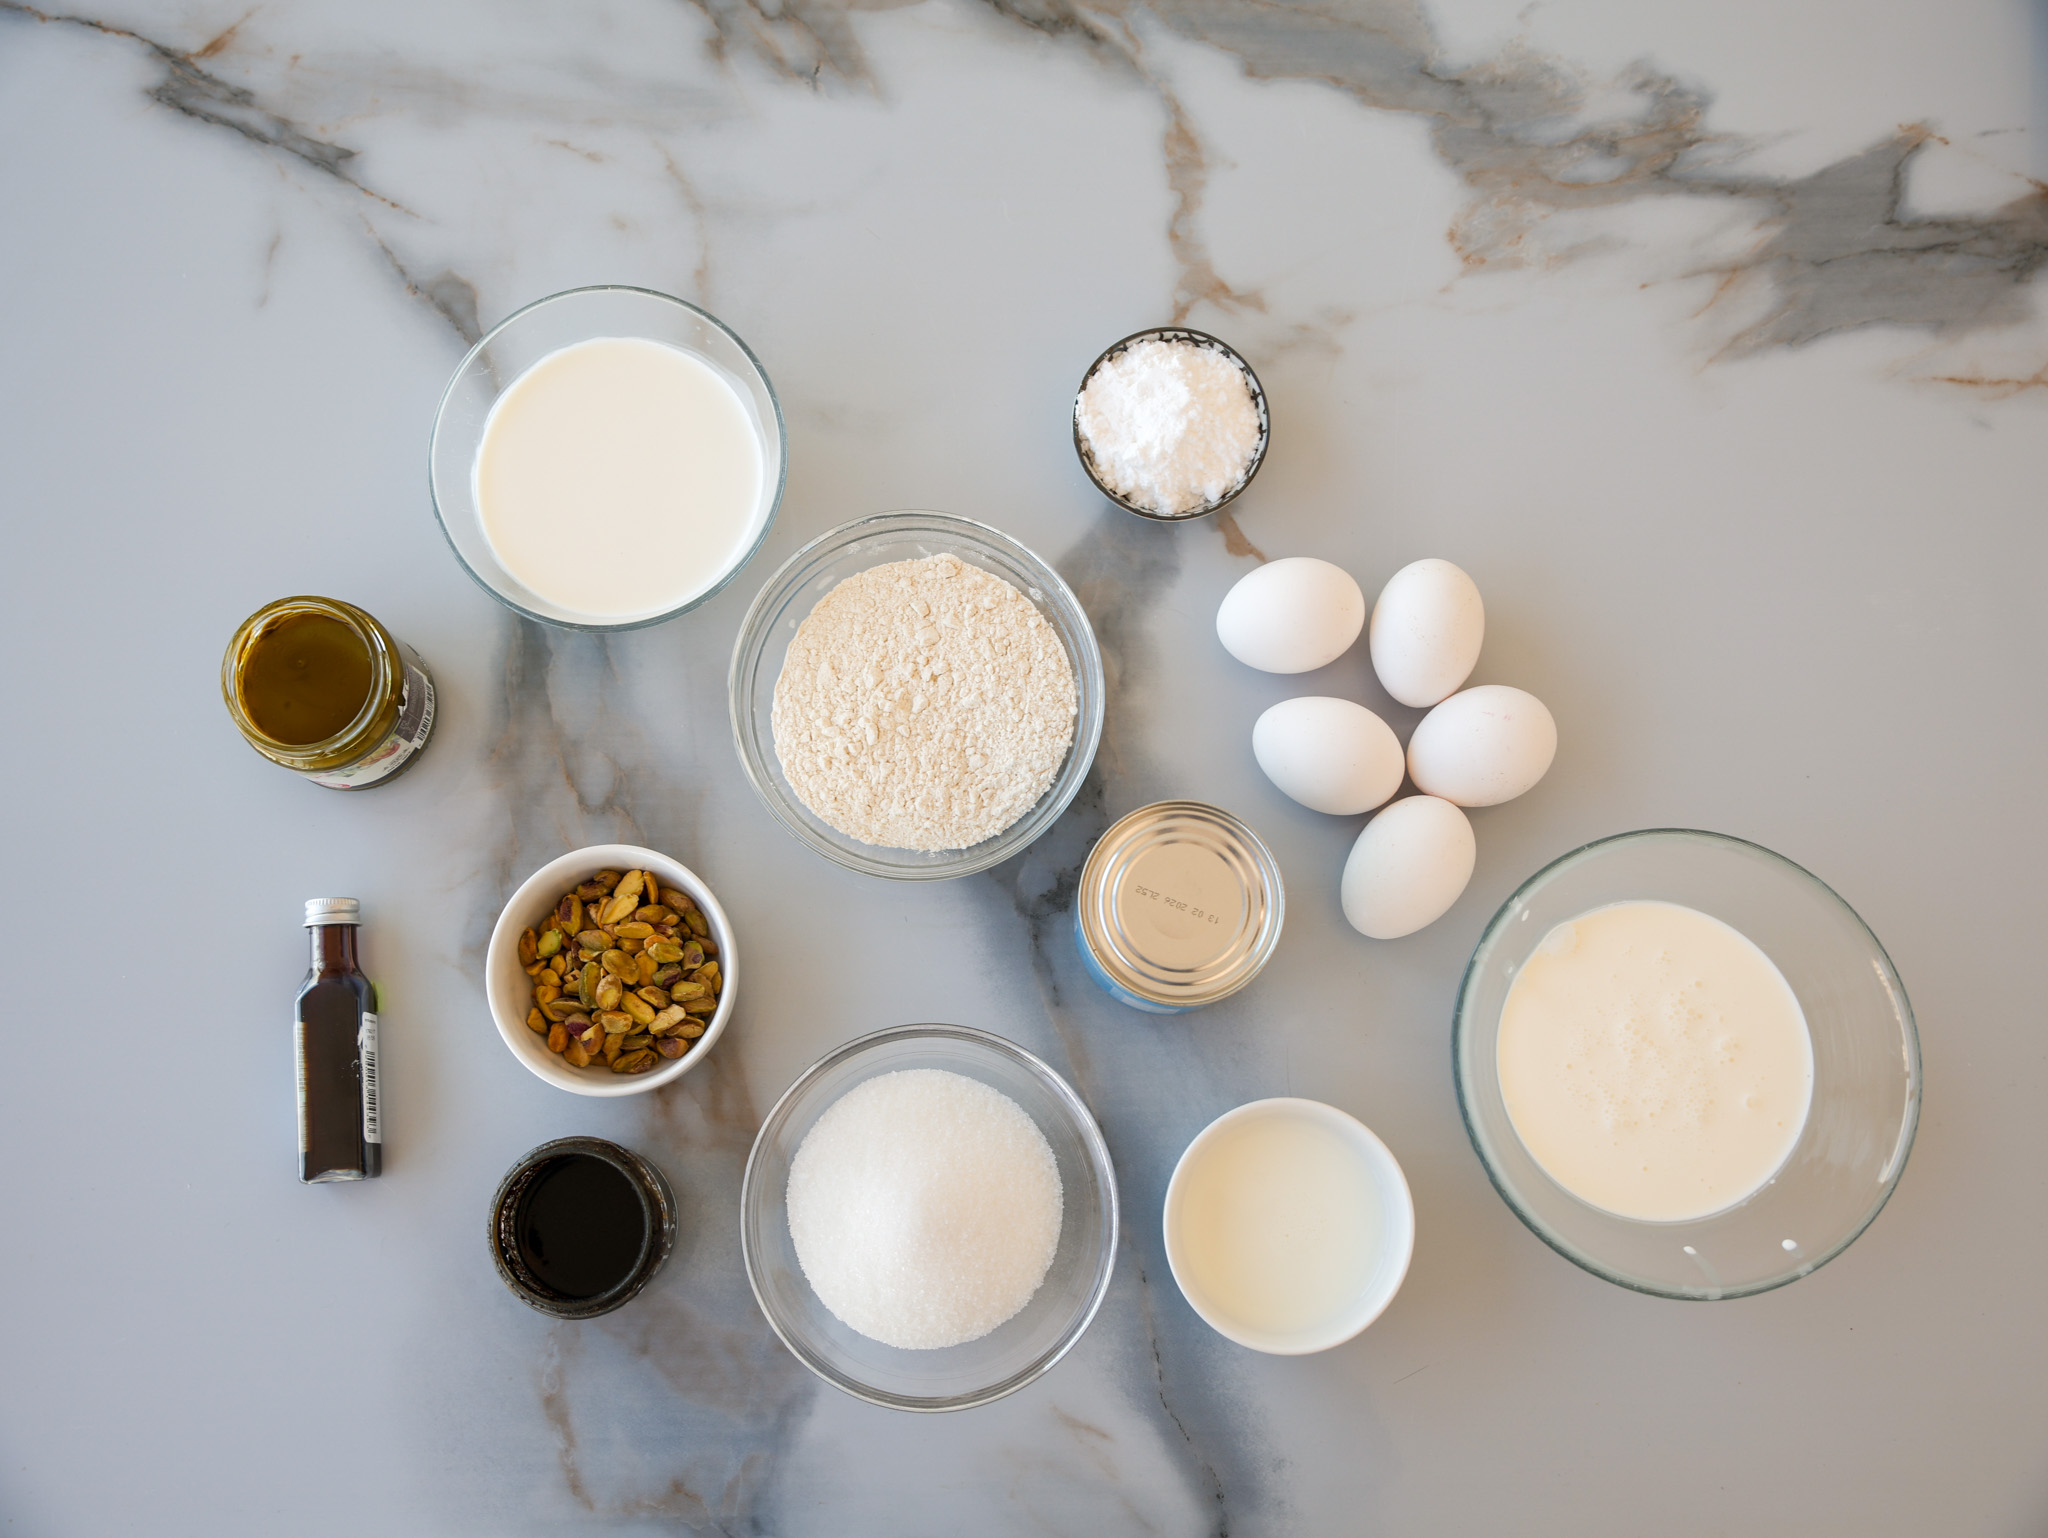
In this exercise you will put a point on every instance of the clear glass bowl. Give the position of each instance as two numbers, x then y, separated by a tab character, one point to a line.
521	340
787	599
1014	1353
1866	1066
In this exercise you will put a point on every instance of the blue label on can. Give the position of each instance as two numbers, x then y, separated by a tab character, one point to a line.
1110	985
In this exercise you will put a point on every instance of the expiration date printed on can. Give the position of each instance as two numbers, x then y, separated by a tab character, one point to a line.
1174	902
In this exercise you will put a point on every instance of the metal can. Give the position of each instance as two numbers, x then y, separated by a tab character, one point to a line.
1179	905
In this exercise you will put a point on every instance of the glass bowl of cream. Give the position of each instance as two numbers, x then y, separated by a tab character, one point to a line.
1025	1345
1687	1064
607	458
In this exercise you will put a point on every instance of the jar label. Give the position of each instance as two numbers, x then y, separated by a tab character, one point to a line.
408	736
366	1047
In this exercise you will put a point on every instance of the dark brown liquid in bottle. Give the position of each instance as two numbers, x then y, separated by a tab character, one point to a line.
305	678
581	1227
332	1136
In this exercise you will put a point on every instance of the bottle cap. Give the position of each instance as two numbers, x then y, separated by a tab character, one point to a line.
333	910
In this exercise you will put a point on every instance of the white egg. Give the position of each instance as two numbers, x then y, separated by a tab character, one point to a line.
1483	746
1426	631
1291	615
1409	865
1330	755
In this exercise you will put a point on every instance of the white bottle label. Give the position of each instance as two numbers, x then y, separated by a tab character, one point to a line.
366	1046
299	1054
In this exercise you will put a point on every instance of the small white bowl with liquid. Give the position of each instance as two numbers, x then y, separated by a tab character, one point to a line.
1289	1226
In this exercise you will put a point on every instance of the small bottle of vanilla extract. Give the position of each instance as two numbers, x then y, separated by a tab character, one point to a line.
341	1136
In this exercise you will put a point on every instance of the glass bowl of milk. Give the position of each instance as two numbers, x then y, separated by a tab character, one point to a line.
1687	1064
607	458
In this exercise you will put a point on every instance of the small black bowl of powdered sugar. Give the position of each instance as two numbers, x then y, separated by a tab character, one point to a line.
1170	424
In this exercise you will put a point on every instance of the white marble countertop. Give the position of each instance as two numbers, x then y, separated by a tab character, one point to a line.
1705	337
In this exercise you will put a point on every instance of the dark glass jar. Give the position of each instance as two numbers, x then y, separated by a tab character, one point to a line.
341	1125
580	1225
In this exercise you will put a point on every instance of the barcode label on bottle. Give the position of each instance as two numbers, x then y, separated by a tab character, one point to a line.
366	1046
299	1054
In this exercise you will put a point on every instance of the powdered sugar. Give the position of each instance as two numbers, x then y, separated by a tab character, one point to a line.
923	704
1170	425
925	1208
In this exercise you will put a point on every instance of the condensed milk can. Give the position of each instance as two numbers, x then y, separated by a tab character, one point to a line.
1179	905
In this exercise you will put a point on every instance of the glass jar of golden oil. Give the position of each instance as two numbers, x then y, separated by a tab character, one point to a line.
319	686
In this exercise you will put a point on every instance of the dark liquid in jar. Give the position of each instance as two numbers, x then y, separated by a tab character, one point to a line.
305	679
581	1226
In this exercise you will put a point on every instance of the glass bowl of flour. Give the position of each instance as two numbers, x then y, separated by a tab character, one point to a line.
1024	1345
607	458
1687	1064
944	702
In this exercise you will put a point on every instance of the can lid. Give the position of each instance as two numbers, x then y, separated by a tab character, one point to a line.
333	910
1181	903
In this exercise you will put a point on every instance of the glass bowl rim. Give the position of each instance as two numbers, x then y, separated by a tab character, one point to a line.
1205	339
1091	1136
774	505
1460	1026
1088	678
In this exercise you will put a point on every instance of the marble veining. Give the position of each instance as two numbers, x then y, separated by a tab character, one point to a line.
568	767
427	156
1835	249
1112	570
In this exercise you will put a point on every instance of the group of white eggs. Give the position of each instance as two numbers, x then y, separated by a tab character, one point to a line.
1476	747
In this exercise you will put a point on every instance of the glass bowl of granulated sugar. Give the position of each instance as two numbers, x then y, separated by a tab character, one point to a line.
943	1187
916	696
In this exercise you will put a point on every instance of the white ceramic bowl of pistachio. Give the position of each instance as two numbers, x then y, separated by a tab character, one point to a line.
511	991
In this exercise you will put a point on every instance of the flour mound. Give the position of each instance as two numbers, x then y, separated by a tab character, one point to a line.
923	704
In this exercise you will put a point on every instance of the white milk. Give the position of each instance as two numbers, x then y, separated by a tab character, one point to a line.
620	478
1280	1227
1654	1061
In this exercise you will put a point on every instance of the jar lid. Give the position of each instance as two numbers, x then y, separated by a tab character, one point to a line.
1181	903
333	910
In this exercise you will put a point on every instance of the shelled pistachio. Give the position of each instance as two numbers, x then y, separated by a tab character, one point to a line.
625	973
